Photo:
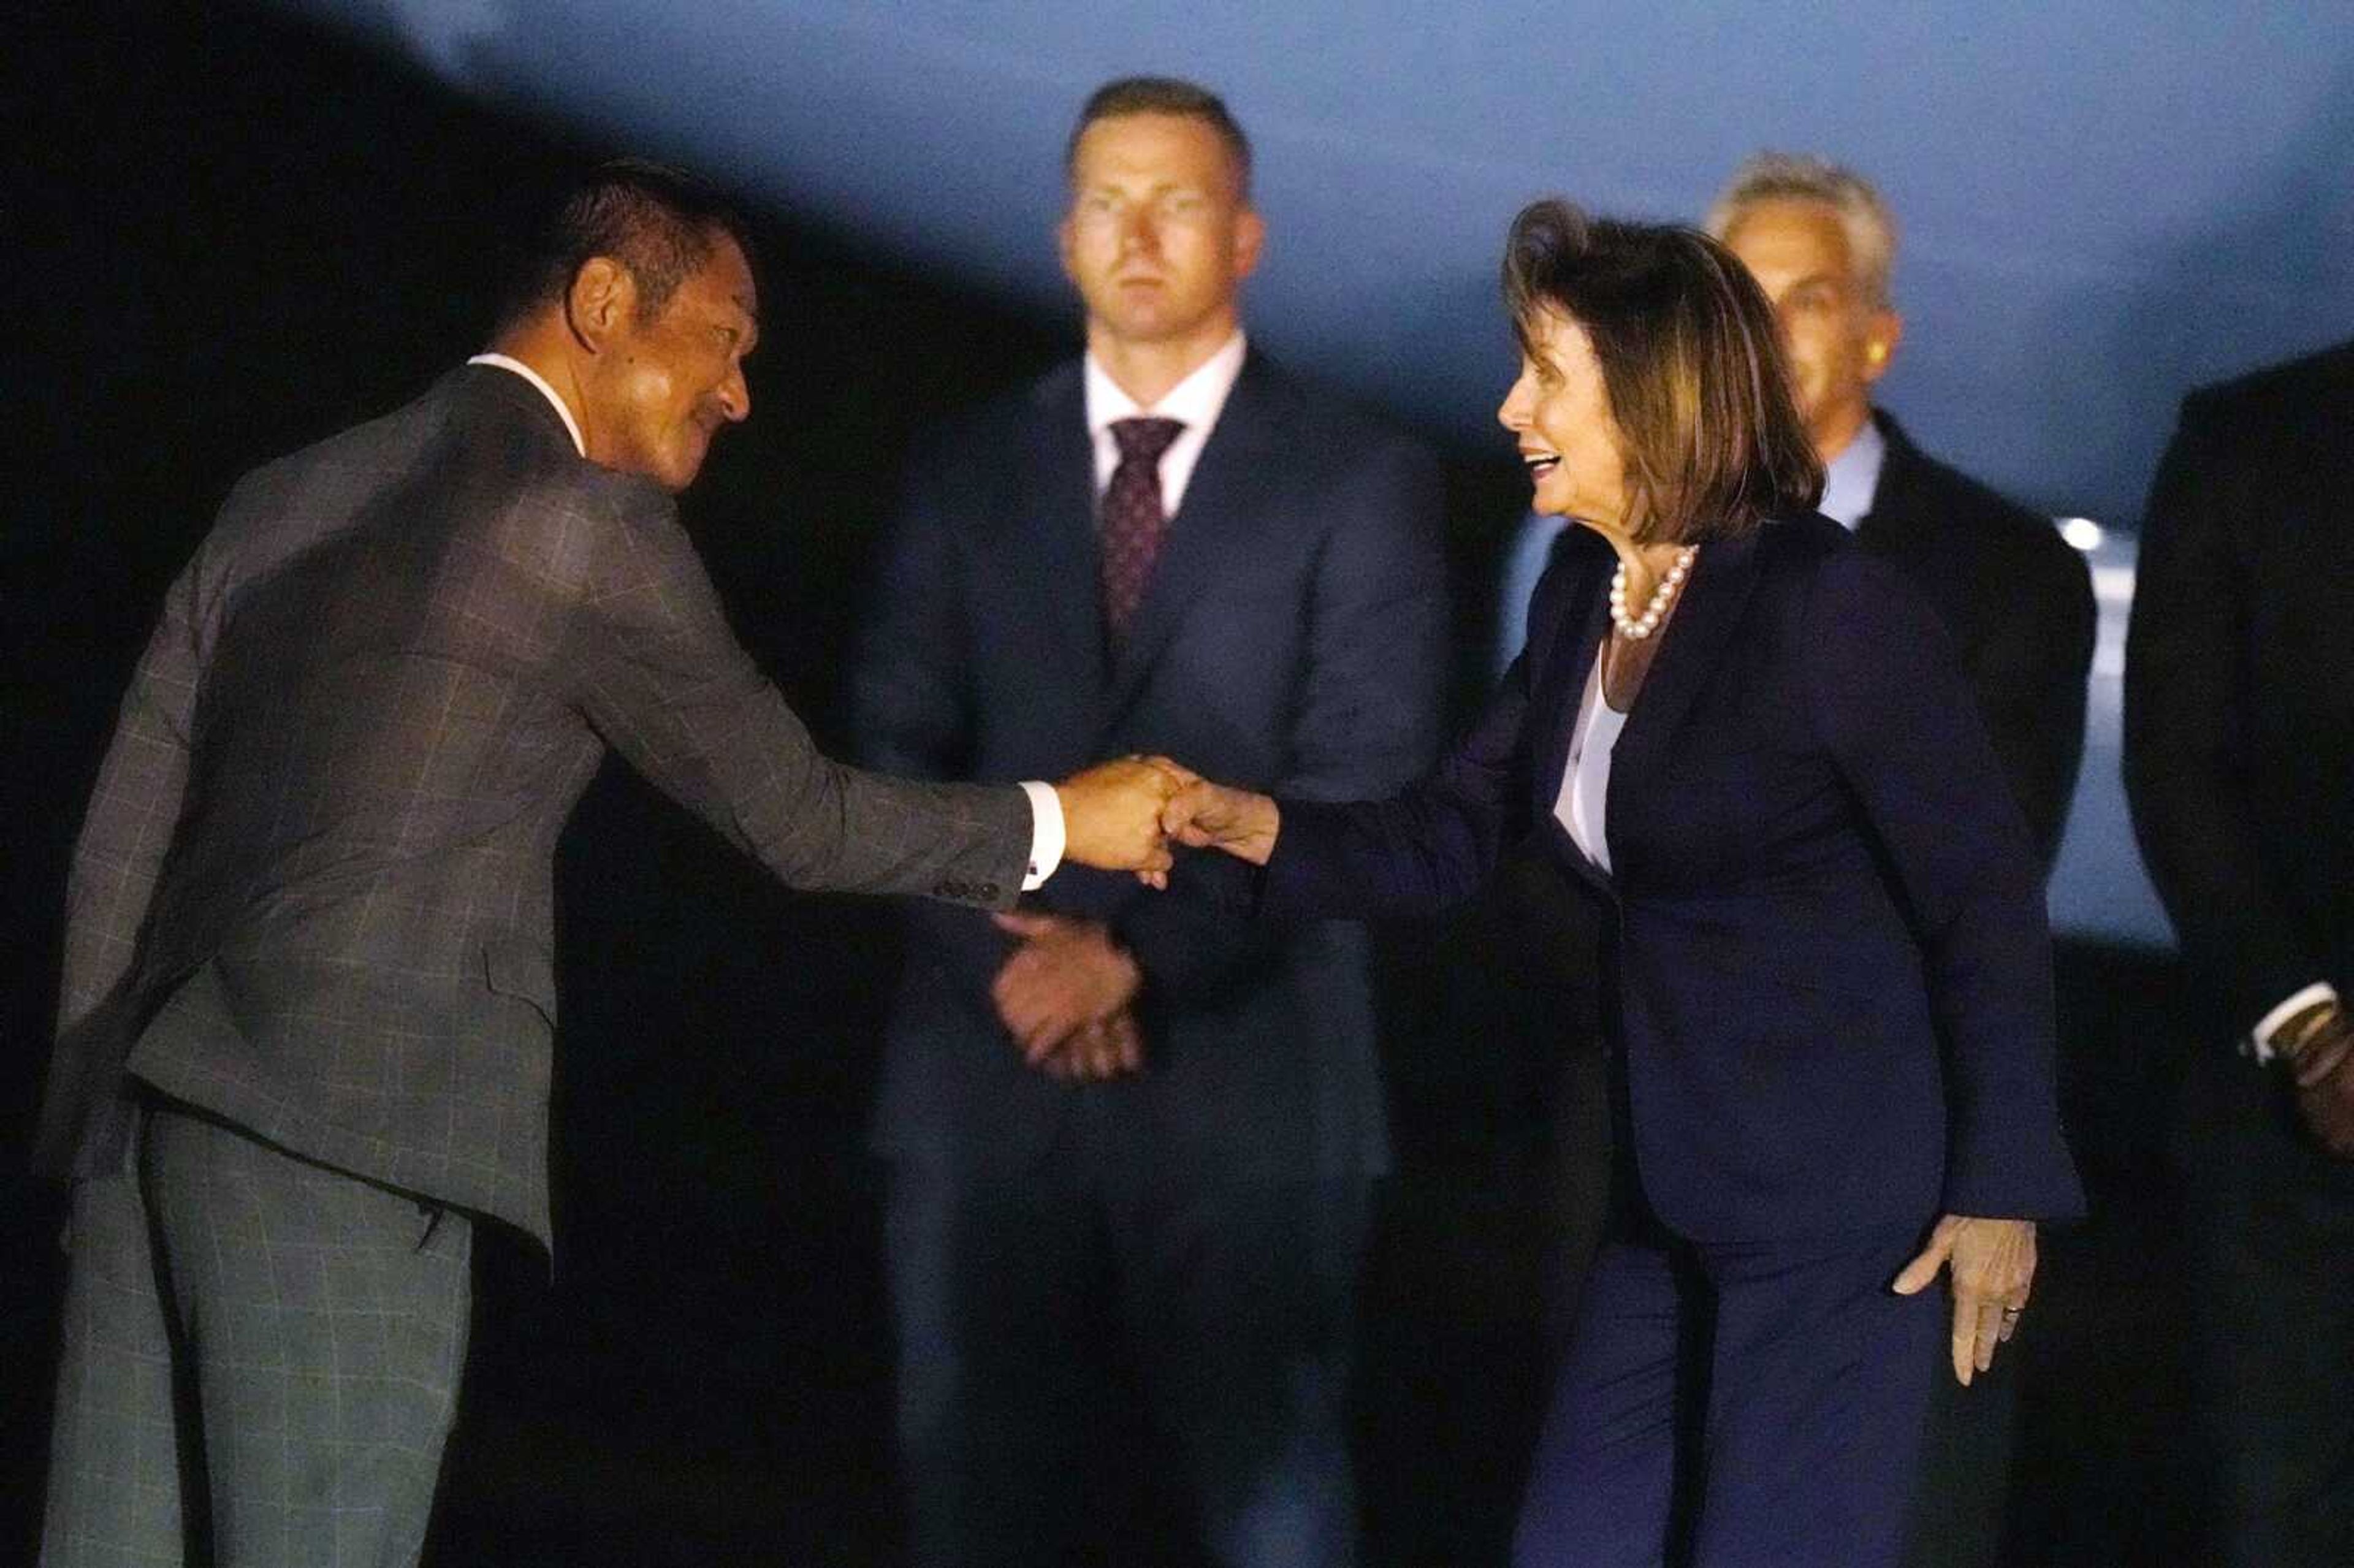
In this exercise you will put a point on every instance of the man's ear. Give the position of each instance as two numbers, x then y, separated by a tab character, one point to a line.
600	302
1250	238
1881	334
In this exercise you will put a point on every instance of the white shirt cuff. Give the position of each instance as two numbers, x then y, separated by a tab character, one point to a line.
2260	1038
1046	833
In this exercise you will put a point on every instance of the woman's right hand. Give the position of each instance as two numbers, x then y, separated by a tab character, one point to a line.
1992	1265
1203	815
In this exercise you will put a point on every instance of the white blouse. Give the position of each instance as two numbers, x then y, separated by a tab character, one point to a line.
1585	783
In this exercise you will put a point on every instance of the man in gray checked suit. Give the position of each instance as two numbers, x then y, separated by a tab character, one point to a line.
308	1002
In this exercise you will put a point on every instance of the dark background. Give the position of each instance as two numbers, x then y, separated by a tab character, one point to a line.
235	235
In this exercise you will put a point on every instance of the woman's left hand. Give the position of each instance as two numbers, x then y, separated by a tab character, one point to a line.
1993	1266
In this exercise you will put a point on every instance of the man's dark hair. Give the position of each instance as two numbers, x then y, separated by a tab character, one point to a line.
1163	95
1691	361
660	223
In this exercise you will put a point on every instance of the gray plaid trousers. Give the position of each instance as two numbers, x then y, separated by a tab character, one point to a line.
260	1356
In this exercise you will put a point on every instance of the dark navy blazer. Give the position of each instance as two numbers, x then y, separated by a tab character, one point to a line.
1832	967
1293	635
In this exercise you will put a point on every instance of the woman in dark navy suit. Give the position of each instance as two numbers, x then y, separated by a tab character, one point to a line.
1828	968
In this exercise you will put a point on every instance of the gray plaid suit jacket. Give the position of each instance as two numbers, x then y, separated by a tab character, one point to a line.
314	892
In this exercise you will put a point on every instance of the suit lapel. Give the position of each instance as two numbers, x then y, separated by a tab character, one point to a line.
1228	500
1721	580
1059	494
1886	527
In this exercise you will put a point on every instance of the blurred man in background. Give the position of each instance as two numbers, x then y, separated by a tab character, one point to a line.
1130	1141
2017	599
2239	762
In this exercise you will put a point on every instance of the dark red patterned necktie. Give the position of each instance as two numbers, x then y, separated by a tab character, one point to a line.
1132	519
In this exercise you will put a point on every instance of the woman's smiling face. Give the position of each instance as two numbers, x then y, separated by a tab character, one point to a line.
1559	411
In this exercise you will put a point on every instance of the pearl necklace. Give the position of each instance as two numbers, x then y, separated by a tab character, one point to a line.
1638	627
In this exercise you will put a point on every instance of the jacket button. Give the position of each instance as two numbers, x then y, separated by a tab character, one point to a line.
988	890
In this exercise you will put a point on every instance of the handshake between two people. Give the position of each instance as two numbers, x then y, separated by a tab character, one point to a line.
1067	992
1125	814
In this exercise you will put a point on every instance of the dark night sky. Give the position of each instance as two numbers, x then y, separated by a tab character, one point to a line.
2103	202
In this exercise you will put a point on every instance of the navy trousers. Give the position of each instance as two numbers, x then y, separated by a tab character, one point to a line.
1020	1301
1757	1405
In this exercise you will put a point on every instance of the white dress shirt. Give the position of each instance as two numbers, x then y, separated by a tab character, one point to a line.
1585	783
1047	836
1851	480
1194	402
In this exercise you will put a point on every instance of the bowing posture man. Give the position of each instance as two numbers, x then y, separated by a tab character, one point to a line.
308	1009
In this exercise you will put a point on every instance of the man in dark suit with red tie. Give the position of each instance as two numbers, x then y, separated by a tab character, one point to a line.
2239	763
309	1009
1123	1133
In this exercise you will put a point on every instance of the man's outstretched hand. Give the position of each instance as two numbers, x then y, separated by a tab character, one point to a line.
1111	814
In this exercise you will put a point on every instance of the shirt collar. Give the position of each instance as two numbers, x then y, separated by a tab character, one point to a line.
1851	479
1196	400
571	425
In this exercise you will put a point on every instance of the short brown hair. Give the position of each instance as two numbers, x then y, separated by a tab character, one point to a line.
1163	95
660	223
1692	359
